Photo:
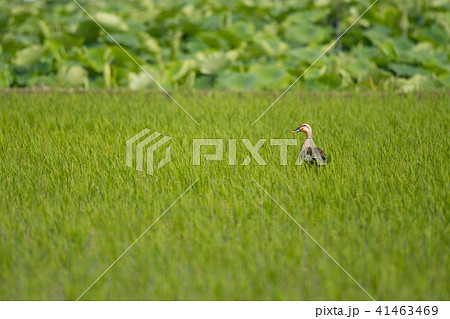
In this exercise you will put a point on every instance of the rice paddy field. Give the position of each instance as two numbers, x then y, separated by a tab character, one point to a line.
70	206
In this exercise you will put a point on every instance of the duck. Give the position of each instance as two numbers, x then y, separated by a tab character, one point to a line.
310	153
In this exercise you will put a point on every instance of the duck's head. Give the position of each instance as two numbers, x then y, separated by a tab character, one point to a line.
303	128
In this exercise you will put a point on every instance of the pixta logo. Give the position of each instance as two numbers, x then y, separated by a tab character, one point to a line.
147	143
253	149
308	153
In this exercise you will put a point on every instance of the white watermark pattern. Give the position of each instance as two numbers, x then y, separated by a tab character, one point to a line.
201	156
150	150
253	149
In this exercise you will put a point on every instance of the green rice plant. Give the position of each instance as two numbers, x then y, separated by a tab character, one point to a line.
70	207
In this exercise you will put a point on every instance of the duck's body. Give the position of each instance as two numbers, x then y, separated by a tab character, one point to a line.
310	153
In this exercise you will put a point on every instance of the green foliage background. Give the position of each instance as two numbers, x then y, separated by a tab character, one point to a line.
225	44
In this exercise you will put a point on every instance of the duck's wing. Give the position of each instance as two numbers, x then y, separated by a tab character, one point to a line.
319	156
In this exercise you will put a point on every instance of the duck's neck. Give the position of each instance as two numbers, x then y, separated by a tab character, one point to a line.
308	142
308	135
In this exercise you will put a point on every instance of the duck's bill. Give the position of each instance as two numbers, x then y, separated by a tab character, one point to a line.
296	130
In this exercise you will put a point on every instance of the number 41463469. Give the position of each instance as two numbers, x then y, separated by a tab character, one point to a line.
407	310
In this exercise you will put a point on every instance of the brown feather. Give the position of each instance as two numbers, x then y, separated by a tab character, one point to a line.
321	154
